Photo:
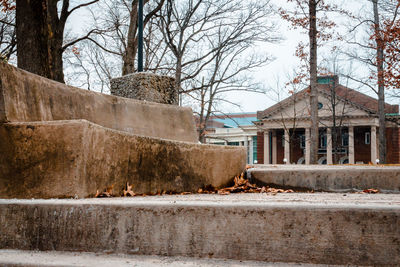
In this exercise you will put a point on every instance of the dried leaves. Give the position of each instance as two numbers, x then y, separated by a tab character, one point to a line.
108	192
243	185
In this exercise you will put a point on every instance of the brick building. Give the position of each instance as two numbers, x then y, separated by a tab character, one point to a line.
348	128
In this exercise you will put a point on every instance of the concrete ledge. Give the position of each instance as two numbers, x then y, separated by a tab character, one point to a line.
76	158
25	97
308	228
13	258
338	178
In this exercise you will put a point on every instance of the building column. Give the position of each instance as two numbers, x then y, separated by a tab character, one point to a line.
274	148
373	142
251	160
266	147
308	145
329	158
246	145
351	145
287	147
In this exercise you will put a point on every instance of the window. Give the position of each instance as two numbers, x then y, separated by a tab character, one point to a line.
302	141
233	143
254	149
367	138
323	140
345	139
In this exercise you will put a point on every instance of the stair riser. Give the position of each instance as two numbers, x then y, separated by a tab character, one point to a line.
286	233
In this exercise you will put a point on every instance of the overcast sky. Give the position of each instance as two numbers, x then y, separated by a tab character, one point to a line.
277	71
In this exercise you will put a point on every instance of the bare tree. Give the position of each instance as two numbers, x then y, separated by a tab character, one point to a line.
304	16
196	31
8	39
367	42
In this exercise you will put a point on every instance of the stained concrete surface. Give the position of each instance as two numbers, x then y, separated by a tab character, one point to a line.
26	97
77	158
13	258
331	178
316	228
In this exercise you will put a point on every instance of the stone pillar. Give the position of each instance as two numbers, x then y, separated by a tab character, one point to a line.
146	86
274	148
251	160
225	142
351	145
266	147
373	142
308	145
287	146
329	158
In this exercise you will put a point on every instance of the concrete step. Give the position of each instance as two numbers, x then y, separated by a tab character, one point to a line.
321	228
14	258
76	158
26	97
329	178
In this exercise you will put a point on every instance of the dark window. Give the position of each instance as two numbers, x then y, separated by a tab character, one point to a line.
367	138
233	143
323	140
345	139
302	141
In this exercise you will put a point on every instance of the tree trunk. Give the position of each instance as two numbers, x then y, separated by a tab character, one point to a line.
32	52
40	38
178	78
313	82
132	41
381	86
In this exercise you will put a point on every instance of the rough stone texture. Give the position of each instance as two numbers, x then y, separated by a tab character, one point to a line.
354	229
146	86
68	158
337	178
27	97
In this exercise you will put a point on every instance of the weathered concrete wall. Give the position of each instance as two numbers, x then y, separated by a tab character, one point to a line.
27	97
146	86
330	178
68	158
264	229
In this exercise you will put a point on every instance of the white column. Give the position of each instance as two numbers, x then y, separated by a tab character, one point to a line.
225	142
351	144
266	147
251	160
274	149
329	158
246	145
373	142
287	146
308	145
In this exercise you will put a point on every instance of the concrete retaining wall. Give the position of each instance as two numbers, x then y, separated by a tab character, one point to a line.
76	158
26	97
272	231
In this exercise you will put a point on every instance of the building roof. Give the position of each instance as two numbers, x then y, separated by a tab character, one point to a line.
353	97
235	120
